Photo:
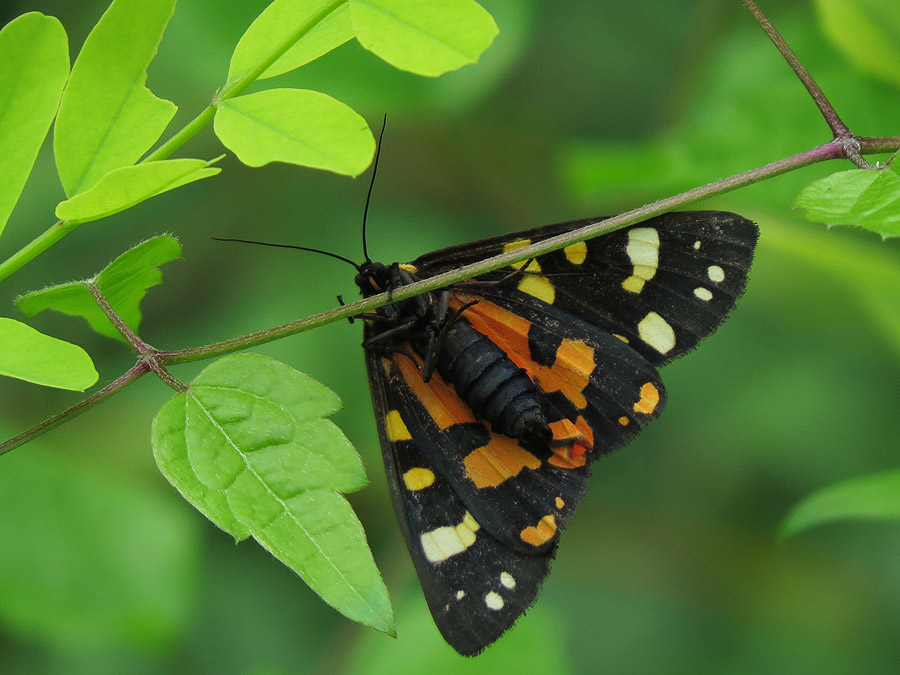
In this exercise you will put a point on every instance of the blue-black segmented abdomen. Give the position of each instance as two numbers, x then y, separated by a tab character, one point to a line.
492	385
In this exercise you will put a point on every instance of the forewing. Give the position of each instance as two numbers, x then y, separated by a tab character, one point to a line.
662	285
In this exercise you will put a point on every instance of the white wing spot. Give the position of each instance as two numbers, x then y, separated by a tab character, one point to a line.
507	580
703	293
445	542
716	273
643	253
493	601
656	332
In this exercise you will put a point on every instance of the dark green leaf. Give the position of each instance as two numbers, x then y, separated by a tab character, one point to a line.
875	497
248	445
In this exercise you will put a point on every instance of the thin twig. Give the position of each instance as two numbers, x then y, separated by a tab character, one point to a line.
835	123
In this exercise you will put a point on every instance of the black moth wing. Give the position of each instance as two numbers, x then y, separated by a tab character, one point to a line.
663	284
477	593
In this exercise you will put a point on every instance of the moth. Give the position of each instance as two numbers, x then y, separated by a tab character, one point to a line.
493	397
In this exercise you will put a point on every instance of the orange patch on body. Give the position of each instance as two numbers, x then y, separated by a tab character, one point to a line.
540	534
499	460
649	399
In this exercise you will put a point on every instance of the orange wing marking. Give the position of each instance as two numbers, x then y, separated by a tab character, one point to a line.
498	461
440	400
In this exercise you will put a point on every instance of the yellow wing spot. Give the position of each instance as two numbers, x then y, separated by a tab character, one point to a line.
649	399
621	337
703	293
533	265
507	580
418	478
656	332
624	421
516	245
576	253
539	287
643	252
715	273
560	502
498	461
540	534
396	428
409	267
697	245
450	540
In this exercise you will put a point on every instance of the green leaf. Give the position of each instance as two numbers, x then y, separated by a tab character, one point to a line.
108	118
862	197
129	185
34	65
297	126
281	22
867	32
30	355
874	497
247	445
89	558
426	38
123	282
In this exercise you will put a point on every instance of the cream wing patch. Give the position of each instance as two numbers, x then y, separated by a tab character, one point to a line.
643	252
450	540
656	332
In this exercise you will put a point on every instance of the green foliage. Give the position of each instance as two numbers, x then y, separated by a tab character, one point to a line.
867	31
686	562
297	126
30	355
875	497
128	186
424	38
276	26
247	445
107	117
34	65
863	197
123	282
96	560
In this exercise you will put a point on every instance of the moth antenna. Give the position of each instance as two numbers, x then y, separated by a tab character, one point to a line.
371	185
299	248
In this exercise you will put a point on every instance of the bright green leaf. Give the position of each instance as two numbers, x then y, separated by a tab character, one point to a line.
123	282
108	118
129	185
875	497
90	559
298	22
34	65
867	31
247	444
297	126
863	197
426	38
30	355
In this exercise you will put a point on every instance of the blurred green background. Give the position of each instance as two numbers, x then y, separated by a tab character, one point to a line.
673	563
